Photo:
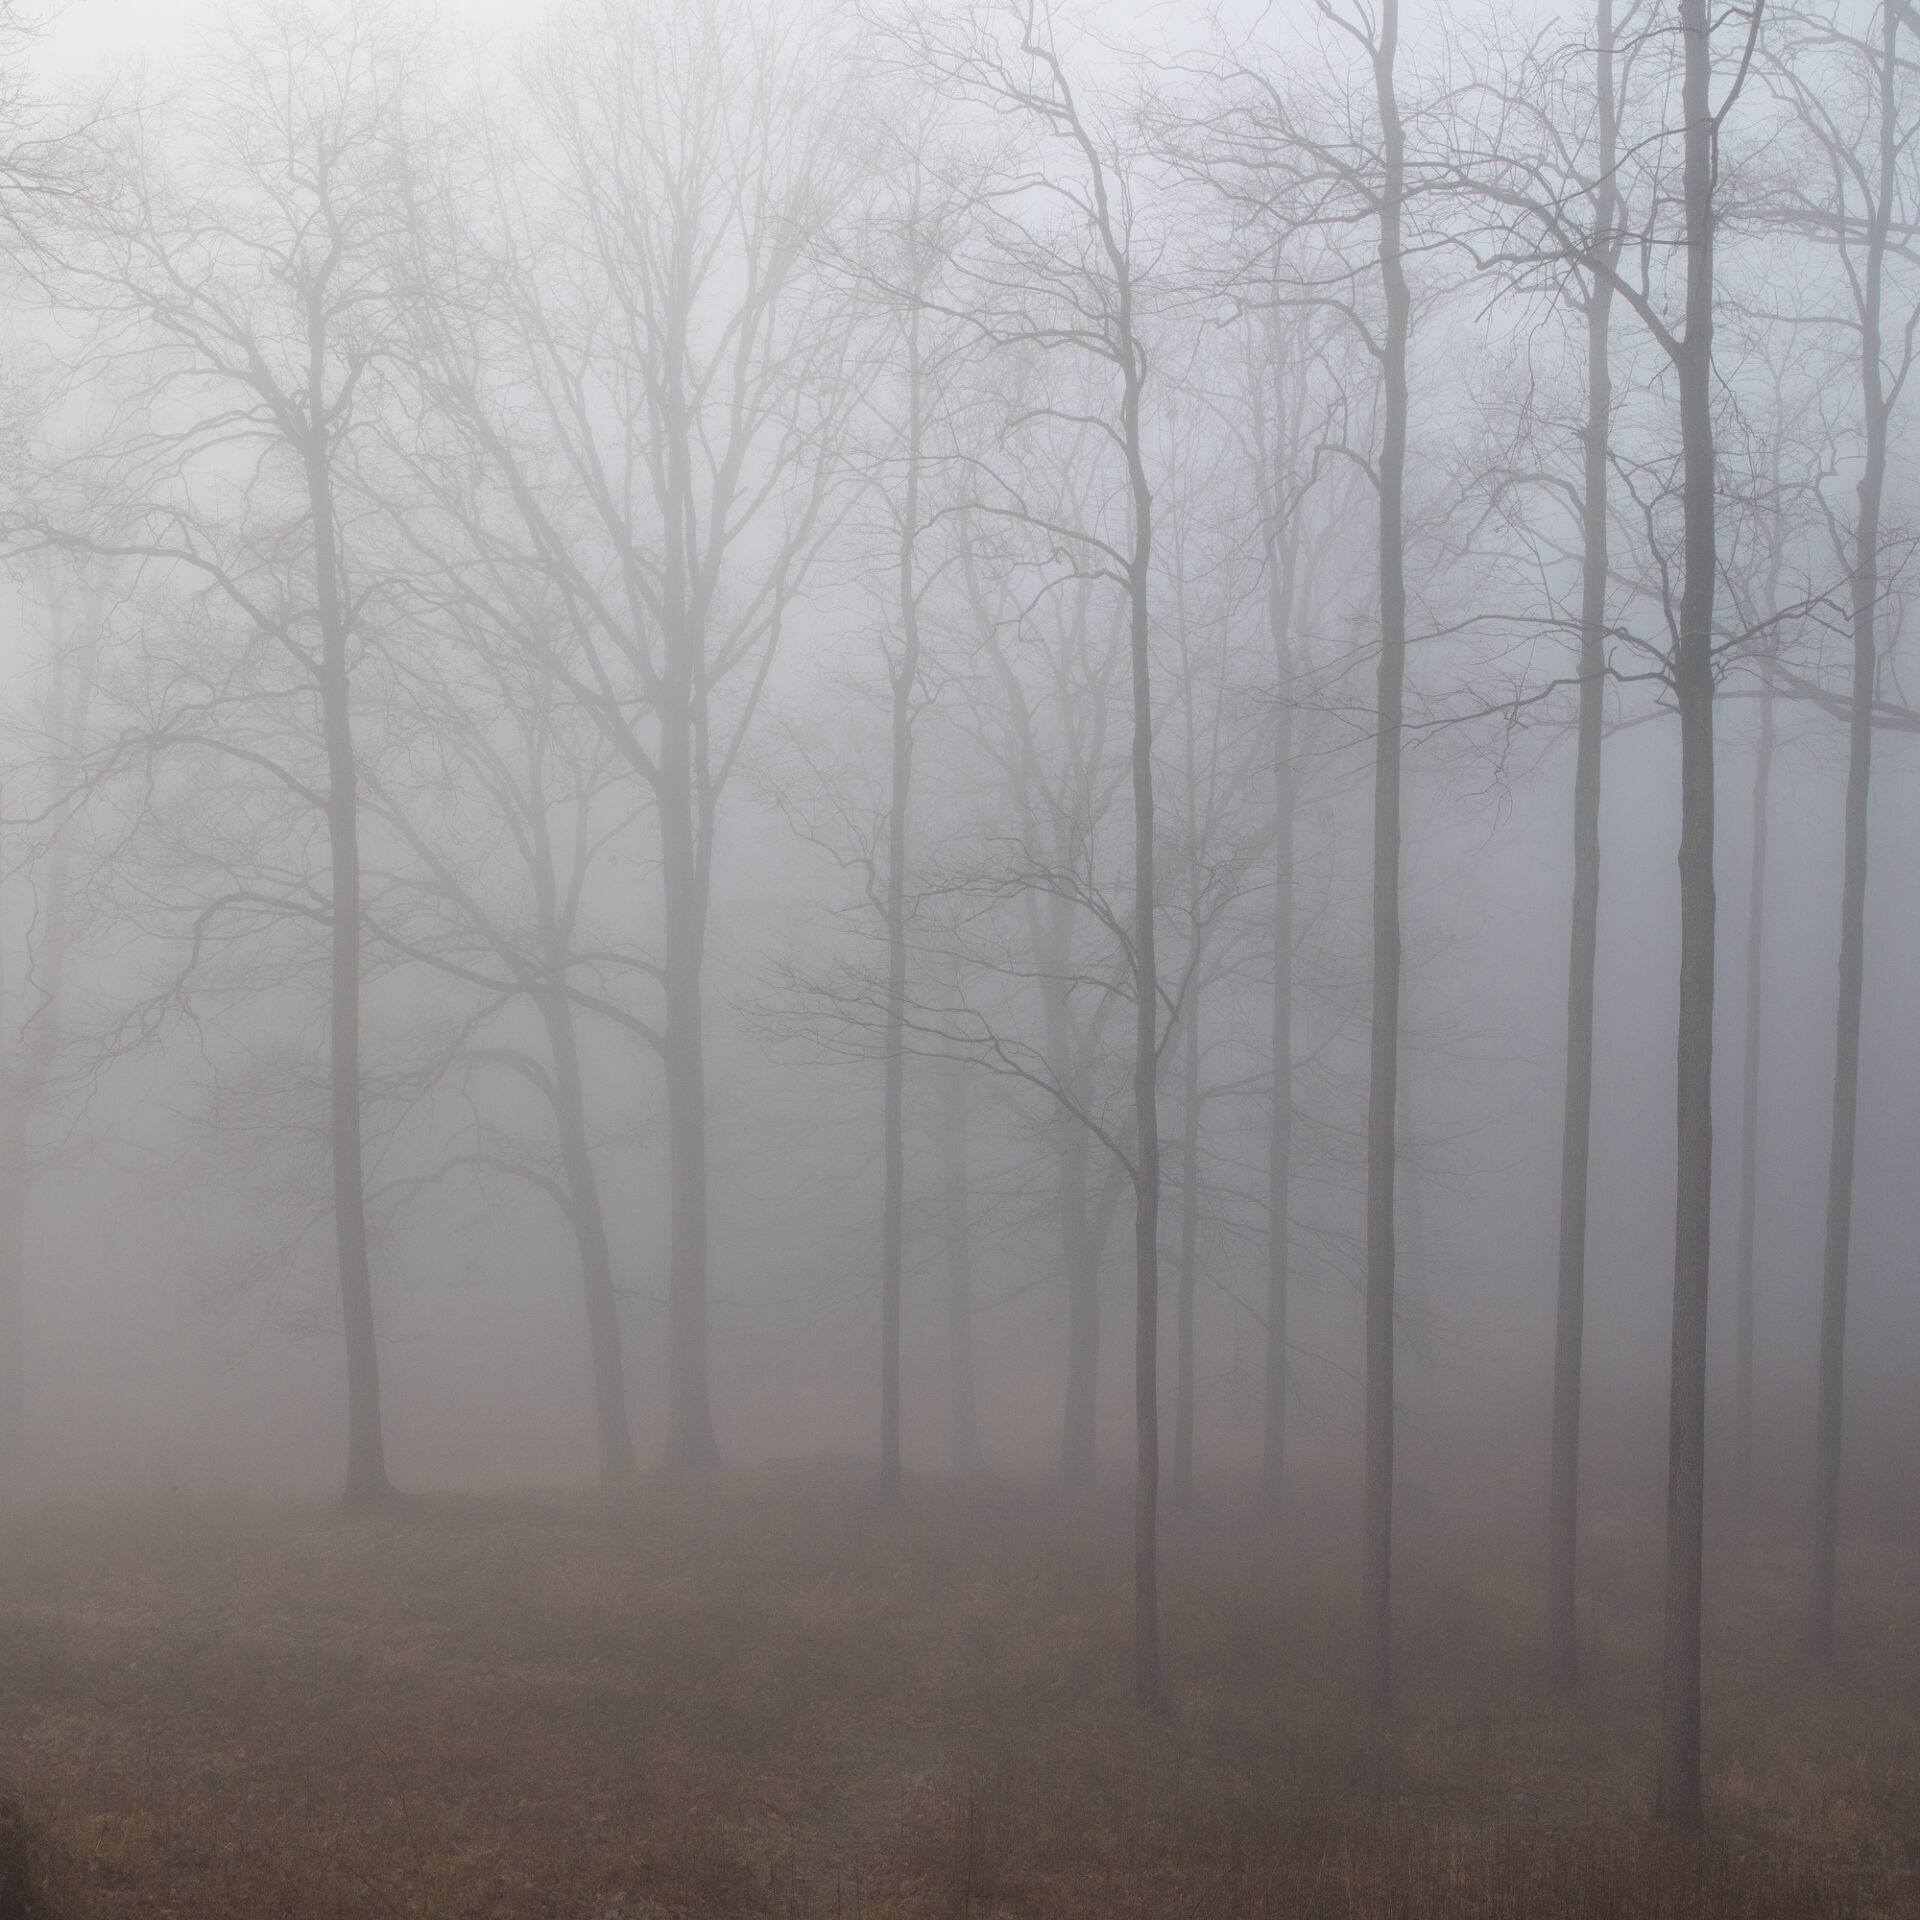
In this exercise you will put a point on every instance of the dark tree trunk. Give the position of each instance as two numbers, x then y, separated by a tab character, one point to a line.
588	1220
1414	1272
1377	1572
1679	1788
905	674
1283	547
1082	1236
690	1436
1750	1111
1280	1119
1180	1483
1146	1117
1576	1121
684	800
1875	409
1086	1227
366	1454
967	1457
1146	992
367	1481
1081	1250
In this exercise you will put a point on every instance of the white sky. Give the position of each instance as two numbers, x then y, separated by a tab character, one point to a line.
87	40
91	38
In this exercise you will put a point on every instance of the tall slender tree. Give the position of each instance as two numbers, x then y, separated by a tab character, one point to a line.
1383	45
1088	297
1752	1037
496	731
1688	667
244	280
1691	352
1860	121
1292	166
956	1228
1051	741
909	235
653	380
1279	377
1577	1116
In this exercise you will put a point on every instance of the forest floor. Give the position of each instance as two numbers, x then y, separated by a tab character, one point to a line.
763	1694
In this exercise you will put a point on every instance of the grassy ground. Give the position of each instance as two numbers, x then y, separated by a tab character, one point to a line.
762	1695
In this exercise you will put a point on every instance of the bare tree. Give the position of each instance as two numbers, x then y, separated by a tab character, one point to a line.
1211	572
1575	128
671	456
1751	1037
1382	46
1285	473
909	235
500	758
1686	343
241	282
1073	239
1852	95
1291	164
1753	1001
1576	1122
1050	740
1691	352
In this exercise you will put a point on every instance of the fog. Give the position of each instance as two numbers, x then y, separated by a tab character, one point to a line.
977	795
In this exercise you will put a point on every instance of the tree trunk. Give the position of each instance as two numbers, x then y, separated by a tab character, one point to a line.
1750	1111
1180	1486
1853	885
366	1454
588	1219
904	676
1280	1119
1282	544
684	800
961	1393
1146	1008
690	1437
1146	1181
367	1481
1082	1257
1082	1241
1413	1272
1679	1789
1376	1593
1563	1502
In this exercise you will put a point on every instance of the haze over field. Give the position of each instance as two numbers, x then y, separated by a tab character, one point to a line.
1142	751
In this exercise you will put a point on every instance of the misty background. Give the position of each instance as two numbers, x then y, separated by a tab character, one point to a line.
181	1317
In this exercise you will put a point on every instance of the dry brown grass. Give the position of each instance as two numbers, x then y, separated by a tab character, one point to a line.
765	1695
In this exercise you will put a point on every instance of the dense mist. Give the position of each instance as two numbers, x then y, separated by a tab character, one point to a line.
1042	874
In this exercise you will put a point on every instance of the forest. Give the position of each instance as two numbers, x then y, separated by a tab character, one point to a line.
937	964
